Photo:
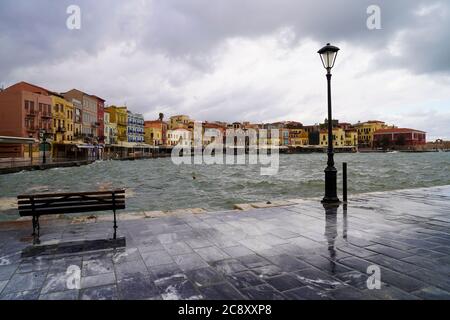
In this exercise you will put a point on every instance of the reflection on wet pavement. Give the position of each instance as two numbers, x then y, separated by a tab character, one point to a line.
304	251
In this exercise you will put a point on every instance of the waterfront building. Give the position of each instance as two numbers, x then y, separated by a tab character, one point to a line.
298	137
25	110
155	132
135	127
181	137
366	131
100	119
398	138
294	125
338	137
284	137
62	117
345	125
179	122
62	128
324	125
110	130
246	125
119	116
351	137
272	139
77	120
89	114
217	129
313	134
235	125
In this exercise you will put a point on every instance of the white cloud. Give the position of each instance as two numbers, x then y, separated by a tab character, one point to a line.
257	79
229	61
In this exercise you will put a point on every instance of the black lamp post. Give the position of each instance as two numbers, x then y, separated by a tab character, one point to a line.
43	135
328	56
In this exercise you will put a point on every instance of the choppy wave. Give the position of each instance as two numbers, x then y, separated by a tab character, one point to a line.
158	184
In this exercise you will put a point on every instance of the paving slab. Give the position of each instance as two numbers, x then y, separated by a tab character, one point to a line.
298	251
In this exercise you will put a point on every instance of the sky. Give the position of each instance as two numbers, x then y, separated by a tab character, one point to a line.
239	60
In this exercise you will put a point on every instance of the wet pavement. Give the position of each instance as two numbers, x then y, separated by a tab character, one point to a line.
301	251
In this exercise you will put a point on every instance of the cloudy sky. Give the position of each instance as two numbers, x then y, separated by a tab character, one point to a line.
237	60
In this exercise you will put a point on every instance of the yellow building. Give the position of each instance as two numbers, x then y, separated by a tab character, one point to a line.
179	122
351	138
298	137
366	131
338	138
119	115
62	125
62	120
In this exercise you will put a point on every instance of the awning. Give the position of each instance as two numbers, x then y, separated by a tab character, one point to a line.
85	146
16	140
133	146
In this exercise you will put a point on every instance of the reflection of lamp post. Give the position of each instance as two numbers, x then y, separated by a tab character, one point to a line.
331	231
328	56
30	149
43	136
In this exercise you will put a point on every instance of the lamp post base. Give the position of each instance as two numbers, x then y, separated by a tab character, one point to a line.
330	185
329	200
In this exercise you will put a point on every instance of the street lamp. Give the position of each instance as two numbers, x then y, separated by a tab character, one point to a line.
328	56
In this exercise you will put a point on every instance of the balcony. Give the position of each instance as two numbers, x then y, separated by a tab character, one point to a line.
46	115
31	113
61	129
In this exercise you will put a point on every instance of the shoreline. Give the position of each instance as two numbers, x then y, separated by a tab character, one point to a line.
237	208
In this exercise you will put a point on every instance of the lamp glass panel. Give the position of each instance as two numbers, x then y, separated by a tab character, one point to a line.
328	58
323	57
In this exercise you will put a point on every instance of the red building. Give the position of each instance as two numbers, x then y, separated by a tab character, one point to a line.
398	137
100	119
25	110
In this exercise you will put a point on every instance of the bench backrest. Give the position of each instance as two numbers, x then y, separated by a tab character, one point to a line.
56	203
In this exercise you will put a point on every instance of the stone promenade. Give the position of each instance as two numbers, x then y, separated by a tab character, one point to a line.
300	251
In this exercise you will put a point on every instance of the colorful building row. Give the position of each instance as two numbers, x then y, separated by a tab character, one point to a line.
73	123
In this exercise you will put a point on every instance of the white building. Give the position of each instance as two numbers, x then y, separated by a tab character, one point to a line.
110	130
181	137
135	127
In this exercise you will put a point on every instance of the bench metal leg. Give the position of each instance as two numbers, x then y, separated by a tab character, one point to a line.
35	234
115	226
33	221
38	230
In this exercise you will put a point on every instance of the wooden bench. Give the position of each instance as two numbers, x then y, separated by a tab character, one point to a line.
36	205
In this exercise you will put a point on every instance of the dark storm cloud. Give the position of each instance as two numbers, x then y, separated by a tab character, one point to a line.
190	27
34	32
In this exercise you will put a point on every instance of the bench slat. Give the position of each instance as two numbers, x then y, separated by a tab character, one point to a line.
68	204
70	209
70	199
45	195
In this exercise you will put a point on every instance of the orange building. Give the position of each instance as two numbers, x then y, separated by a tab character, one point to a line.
155	132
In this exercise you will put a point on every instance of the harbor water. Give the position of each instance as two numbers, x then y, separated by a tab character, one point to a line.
159	184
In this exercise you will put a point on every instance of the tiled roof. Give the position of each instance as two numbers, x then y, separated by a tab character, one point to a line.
397	130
